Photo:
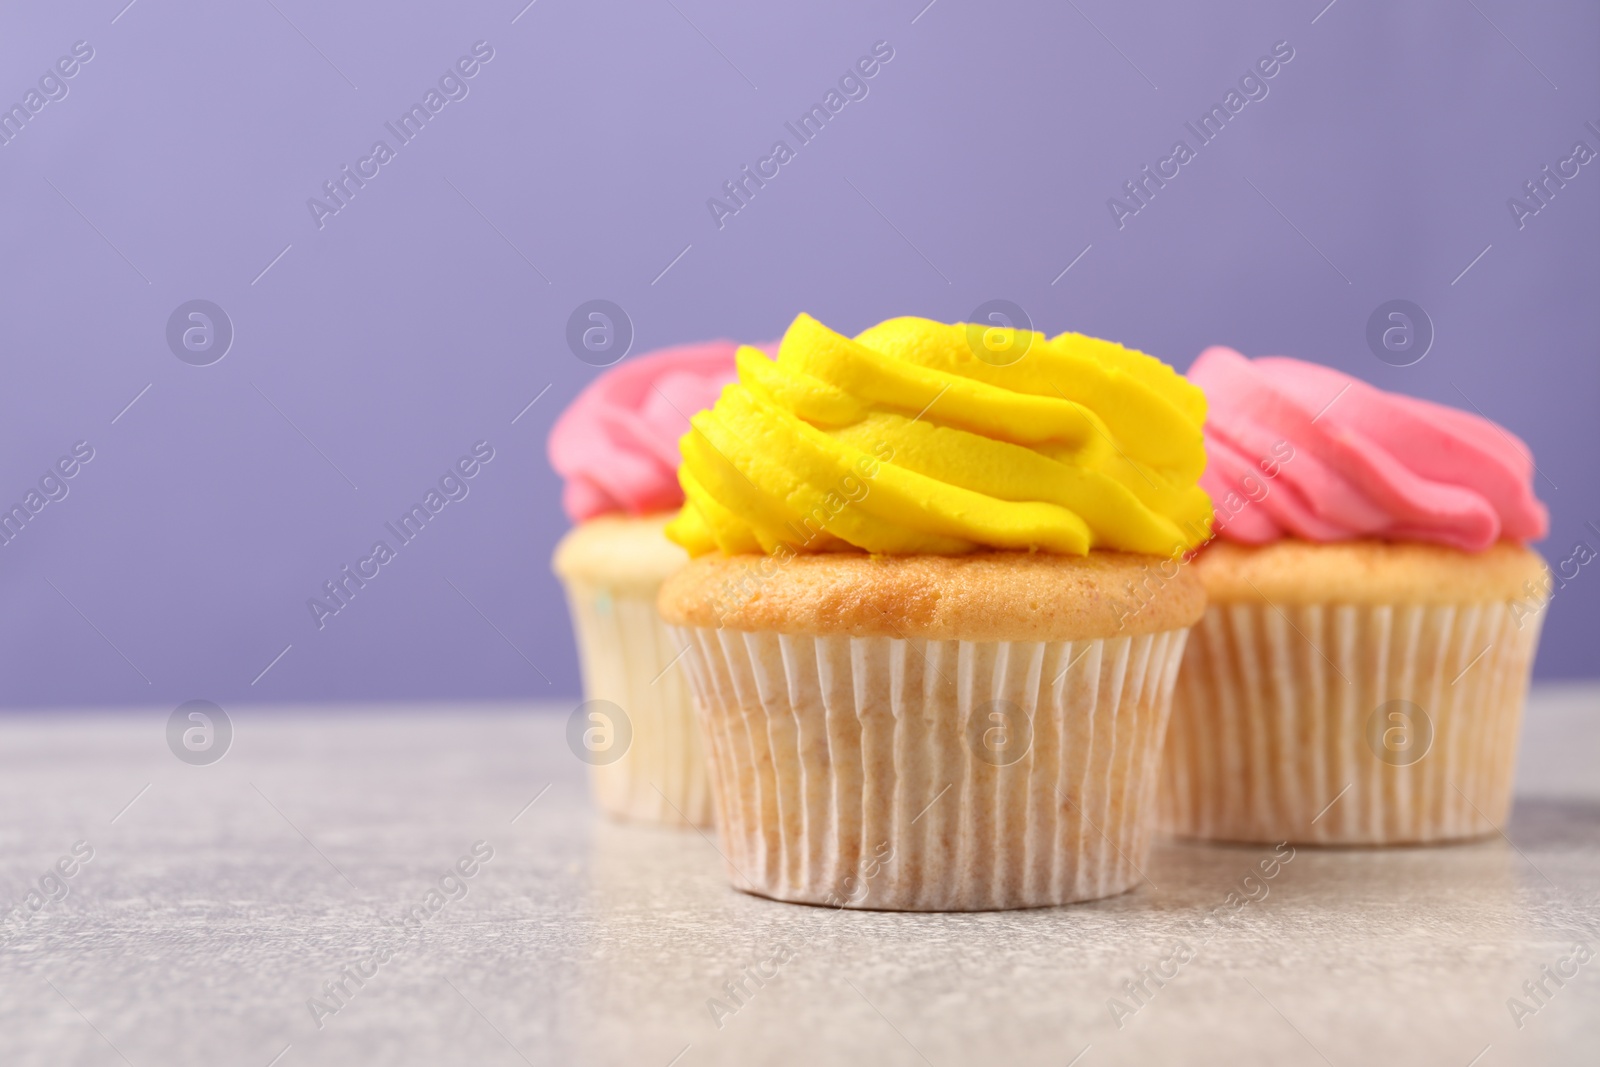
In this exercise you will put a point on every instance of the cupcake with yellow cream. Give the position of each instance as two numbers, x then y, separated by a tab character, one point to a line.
935	612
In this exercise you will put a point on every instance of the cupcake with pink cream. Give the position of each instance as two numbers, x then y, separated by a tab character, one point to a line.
1373	613
616	447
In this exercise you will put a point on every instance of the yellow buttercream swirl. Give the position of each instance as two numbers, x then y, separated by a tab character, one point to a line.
904	441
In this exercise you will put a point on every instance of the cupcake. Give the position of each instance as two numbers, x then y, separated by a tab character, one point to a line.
1373	610
616	447
935	611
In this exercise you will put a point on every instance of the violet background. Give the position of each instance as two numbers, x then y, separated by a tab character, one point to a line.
978	167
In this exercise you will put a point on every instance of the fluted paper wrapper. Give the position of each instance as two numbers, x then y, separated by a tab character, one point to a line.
1347	724
849	771
630	657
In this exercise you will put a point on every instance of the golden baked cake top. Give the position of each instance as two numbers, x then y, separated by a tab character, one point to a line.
1289	571
984	596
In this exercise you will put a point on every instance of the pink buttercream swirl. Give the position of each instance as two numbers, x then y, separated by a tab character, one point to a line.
1364	463
617	443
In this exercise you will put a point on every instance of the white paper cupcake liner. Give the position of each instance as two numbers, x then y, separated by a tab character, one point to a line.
631	658
1347	724
851	771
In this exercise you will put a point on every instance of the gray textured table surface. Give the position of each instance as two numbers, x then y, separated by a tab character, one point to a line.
223	898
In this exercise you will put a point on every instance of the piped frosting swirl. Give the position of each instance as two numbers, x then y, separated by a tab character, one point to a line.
913	438
616	445
1365	463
